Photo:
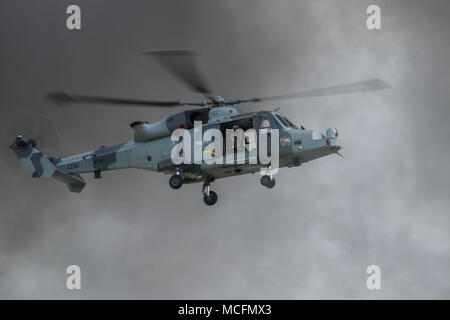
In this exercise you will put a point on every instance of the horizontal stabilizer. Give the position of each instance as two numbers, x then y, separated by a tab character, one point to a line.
75	182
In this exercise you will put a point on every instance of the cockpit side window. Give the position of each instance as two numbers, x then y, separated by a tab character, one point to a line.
285	121
282	120
290	123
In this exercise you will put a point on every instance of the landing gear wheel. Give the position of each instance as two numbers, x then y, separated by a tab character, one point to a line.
176	181
210	199
267	181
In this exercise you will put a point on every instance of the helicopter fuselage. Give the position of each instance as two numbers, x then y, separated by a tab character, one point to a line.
300	146
152	145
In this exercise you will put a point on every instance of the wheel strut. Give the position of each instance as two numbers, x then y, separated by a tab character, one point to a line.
209	196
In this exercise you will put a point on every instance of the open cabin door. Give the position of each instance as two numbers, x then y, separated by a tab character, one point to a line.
264	123
232	145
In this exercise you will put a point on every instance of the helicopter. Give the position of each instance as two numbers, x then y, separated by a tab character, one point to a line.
152	144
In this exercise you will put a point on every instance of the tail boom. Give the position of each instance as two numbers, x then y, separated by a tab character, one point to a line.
38	165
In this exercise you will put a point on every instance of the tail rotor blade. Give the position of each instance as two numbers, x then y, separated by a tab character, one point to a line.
46	136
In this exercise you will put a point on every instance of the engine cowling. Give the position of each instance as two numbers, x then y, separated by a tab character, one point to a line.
145	131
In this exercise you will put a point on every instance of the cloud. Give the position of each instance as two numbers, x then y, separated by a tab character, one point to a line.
315	233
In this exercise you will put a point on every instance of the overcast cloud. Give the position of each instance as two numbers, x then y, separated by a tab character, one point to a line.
312	236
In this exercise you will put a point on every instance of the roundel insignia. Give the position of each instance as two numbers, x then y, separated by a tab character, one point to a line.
149	158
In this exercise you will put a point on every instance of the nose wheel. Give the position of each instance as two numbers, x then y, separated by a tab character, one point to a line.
209	196
267	181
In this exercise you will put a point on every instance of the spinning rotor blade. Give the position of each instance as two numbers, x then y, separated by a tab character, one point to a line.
367	85
64	98
182	64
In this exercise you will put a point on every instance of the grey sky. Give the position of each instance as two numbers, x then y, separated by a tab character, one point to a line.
386	202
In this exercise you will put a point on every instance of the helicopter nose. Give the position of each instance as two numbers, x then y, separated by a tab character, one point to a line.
331	133
330	139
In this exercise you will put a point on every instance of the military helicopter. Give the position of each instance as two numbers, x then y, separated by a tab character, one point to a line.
151	146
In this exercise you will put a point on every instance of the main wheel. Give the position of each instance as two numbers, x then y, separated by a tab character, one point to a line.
271	184
268	182
210	199
176	181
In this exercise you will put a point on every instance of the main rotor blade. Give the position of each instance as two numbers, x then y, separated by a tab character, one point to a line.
366	85
182	64
64	98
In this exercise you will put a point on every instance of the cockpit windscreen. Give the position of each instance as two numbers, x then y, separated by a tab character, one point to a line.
285	121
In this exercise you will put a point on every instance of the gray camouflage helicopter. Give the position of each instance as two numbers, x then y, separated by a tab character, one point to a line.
151	145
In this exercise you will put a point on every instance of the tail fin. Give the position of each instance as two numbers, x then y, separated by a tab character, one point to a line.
39	165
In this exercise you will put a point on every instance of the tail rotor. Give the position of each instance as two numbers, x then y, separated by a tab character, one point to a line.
37	130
